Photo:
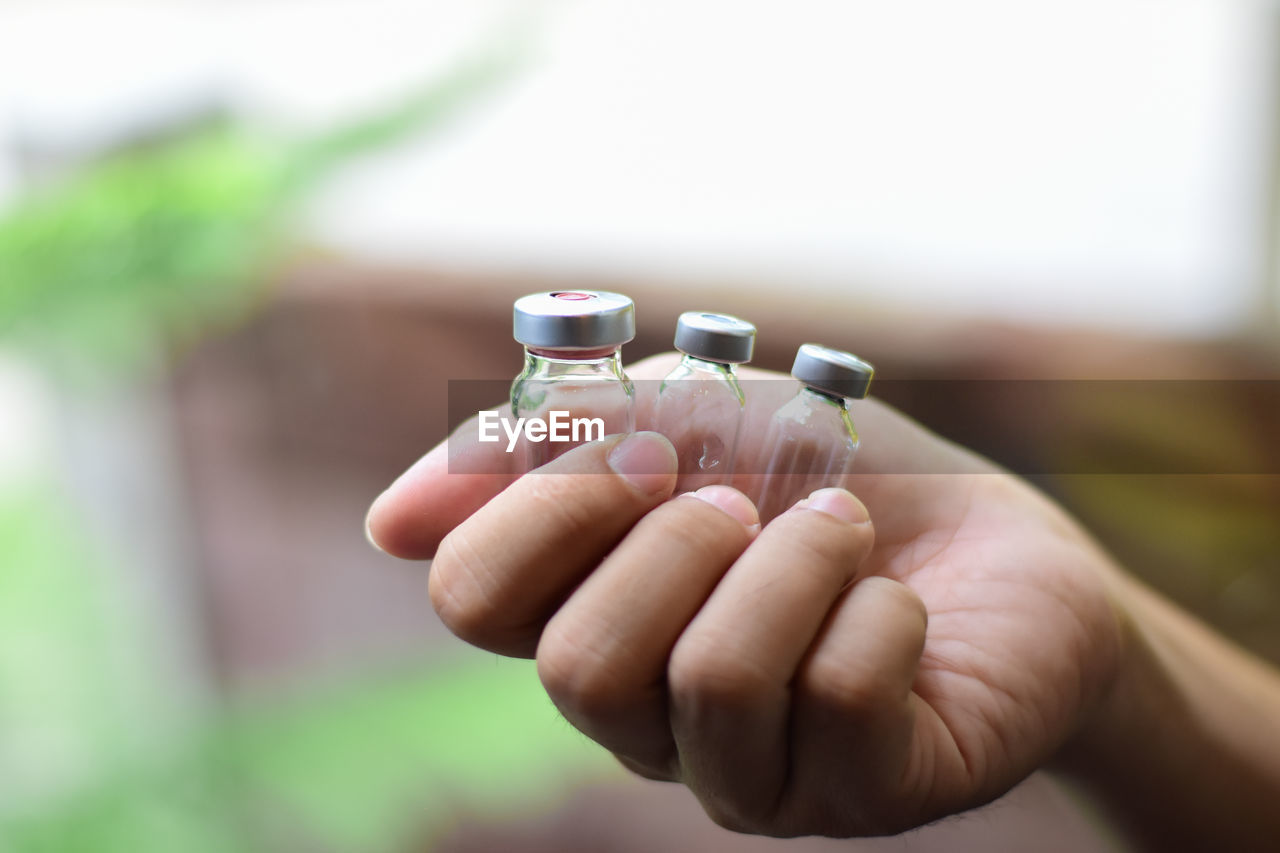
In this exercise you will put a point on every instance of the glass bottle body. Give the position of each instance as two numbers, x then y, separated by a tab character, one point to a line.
700	409
591	389
810	444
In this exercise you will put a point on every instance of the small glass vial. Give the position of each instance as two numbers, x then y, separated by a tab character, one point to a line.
700	403
572	368
811	440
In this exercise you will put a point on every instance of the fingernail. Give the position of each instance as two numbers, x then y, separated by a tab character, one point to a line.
836	503
646	460
732	502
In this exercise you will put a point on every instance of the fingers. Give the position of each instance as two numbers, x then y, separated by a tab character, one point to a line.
731	671
853	715
501	573
603	656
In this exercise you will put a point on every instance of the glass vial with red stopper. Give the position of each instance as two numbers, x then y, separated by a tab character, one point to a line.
700	403
811	440
573	381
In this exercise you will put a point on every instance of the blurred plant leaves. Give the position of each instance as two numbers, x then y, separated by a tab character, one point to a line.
159	243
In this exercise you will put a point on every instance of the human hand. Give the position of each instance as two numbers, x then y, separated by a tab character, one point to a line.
813	677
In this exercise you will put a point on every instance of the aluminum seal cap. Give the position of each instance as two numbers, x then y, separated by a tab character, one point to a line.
715	337
574	320
832	371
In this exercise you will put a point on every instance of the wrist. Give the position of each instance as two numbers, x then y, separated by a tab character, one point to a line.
1134	674
1130	736
1182	750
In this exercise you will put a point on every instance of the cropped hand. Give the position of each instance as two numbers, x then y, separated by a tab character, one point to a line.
861	665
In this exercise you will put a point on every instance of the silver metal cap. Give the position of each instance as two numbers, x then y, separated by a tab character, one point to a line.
715	337
832	371
574	319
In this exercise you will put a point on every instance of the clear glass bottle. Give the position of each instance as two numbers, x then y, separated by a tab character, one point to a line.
700	403
811	440
572	365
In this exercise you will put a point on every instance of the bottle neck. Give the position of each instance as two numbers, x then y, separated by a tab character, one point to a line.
830	407
702	365
816	396
598	354
545	362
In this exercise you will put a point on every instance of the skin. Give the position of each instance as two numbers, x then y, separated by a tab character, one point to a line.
858	665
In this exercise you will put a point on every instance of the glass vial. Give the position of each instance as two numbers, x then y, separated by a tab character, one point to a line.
572	367
700	403
811	441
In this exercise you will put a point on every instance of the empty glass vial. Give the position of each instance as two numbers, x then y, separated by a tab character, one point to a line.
700	403
811	441
572	382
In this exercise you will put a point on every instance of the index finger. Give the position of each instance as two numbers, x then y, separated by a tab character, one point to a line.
501	573
438	492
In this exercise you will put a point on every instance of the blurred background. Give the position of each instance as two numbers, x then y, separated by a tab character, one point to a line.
244	245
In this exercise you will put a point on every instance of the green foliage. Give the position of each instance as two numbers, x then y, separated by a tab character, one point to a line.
161	242
367	767
141	244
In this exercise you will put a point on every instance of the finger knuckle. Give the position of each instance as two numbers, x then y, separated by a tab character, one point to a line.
465	601
842	684
728	817
580	679
664	771
703	671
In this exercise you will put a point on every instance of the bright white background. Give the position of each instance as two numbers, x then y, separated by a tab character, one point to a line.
1107	162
